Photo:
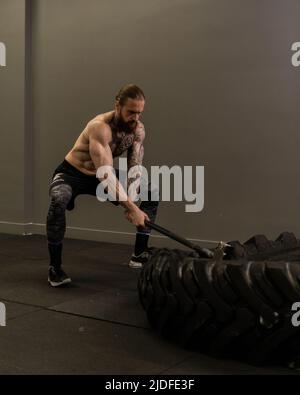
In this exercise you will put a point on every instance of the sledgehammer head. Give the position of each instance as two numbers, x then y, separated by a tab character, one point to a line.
219	252
204	252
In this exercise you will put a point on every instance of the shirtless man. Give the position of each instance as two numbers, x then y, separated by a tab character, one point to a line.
105	137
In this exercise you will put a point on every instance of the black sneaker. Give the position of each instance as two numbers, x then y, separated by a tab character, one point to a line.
137	261
57	277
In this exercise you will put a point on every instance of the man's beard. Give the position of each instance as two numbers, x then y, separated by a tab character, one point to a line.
127	127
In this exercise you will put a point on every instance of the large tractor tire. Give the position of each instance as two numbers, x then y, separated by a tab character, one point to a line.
258	247
234	308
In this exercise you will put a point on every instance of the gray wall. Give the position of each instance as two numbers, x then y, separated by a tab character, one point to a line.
12	91
221	92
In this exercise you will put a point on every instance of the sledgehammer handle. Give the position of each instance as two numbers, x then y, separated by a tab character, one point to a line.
203	252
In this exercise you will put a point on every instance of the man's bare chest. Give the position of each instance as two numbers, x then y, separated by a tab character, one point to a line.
120	143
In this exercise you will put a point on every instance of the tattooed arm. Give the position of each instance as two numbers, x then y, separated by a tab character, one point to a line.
135	154
136	151
101	155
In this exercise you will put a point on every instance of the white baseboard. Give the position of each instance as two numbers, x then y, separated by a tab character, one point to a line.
86	234
14	228
101	235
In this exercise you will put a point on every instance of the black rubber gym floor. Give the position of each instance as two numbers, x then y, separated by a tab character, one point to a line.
94	326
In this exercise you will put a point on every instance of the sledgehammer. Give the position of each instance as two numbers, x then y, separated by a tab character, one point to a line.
203	252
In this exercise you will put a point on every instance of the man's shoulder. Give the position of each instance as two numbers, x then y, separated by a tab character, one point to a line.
101	120
99	130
